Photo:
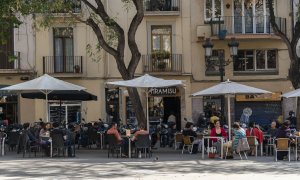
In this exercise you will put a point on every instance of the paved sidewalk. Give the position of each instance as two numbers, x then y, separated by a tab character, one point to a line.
94	164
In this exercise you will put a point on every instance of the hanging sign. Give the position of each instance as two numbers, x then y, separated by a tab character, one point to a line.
167	91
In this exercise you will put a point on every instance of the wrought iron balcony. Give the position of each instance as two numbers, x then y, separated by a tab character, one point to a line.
10	60
171	64
62	64
244	25
159	7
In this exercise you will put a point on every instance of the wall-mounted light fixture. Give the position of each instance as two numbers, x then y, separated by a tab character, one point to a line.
227	5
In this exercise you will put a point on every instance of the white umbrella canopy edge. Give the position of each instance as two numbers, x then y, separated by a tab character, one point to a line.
146	81
229	88
45	84
291	94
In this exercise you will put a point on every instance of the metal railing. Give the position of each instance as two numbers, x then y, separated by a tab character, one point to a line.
10	60
158	5
171	64
62	64
245	25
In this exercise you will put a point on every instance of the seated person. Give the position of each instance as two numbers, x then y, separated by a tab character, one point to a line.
255	131
283	132
122	142
272	131
188	131
239	133
45	131
218	131
141	131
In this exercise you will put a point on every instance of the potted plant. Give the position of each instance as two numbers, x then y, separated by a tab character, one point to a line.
160	54
77	68
161	65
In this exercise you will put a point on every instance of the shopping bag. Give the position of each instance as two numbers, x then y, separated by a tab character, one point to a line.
211	152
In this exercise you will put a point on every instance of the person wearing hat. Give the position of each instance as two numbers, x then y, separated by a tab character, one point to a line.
283	132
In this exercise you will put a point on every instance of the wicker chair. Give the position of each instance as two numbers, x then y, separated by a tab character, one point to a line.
282	144
58	143
187	143
178	140
113	146
143	142
251	141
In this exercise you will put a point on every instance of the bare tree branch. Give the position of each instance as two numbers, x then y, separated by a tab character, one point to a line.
89	5
136	21
100	37
115	26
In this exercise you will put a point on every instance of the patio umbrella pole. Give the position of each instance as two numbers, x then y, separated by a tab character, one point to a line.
229	117
147	115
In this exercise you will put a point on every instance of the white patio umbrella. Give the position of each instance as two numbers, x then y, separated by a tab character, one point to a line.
294	93
227	88
45	84
146	82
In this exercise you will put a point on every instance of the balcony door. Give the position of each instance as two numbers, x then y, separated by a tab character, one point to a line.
161	37
251	16
7	49
63	50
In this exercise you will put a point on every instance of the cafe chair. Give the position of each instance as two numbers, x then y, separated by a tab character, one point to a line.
178	140
270	146
252	143
25	146
187	143
143	143
282	144
58	144
3	137
12	140
243	147
113	146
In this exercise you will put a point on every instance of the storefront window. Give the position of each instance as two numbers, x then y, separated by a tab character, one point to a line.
67	112
112	105
8	108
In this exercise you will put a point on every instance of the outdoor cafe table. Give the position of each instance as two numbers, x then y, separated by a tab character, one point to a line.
129	144
296	149
101	138
212	137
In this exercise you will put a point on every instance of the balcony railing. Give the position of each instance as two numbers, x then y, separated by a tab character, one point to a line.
158	6
172	64
245	25
10	60
62	64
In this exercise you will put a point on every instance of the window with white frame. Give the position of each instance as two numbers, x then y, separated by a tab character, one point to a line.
256	60
213	9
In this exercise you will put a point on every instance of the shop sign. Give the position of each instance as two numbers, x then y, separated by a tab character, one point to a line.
259	97
168	91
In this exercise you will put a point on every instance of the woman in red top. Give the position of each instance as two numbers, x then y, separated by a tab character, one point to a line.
253	130
218	131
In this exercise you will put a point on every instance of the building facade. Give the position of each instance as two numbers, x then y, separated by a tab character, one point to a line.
170	40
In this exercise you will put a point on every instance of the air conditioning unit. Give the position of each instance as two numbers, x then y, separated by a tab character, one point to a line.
203	31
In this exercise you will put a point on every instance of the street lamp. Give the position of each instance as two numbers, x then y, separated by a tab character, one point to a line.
221	63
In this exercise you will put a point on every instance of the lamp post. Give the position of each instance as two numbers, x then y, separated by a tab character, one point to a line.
221	63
